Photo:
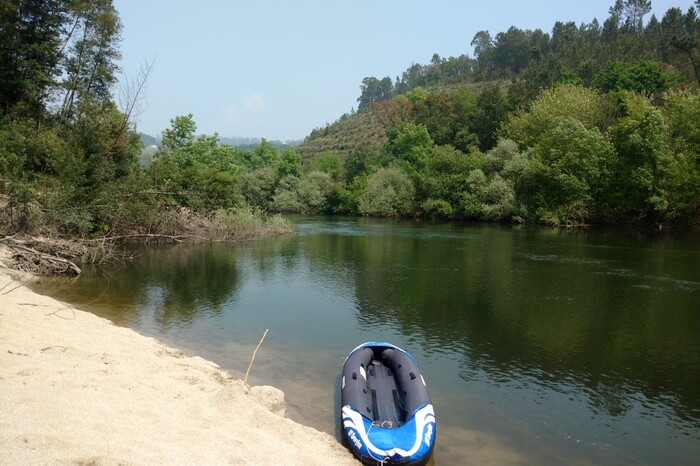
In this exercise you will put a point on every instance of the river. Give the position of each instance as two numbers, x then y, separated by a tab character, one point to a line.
540	346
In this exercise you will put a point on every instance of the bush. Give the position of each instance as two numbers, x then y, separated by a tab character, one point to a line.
567	173
564	101
246	223
390	193
437	208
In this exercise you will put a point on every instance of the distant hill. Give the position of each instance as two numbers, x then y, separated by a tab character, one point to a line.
149	140
252	143
240	142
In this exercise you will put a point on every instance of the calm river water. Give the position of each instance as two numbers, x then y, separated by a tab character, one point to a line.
539	346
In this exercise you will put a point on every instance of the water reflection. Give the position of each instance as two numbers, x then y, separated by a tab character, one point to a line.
548	346
556	317
176	285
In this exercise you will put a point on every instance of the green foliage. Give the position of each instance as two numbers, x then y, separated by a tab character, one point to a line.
487	199
289	164
374	90
245	223
410	144
496	159
568	77
565	121
359	162
417	94
90	66
30	38
27	148
287	196
258	187
314	193
499	197
681	112
644	164
444	114
264	155
645	77
331	163
180	134
390	193
491	109
200	172
563	101
99	182
437	208
567	172
445	176
555	151
69	160
347	197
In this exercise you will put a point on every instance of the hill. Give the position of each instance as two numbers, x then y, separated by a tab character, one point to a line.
350	132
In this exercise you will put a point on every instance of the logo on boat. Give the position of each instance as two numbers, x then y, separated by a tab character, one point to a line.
428	434
354	439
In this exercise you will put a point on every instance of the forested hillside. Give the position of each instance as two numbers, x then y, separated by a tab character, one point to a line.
591	123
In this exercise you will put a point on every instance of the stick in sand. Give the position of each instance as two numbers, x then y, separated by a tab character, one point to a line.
245	380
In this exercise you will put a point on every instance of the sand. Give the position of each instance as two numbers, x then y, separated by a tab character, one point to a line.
76	389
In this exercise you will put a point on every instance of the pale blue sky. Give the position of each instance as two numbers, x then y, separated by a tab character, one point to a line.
278	69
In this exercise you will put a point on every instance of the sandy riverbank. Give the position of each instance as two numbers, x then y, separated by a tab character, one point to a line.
76	389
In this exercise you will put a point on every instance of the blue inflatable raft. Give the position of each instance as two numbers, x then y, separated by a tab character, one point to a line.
387	414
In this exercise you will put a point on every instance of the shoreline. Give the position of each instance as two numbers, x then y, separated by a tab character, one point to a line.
77	389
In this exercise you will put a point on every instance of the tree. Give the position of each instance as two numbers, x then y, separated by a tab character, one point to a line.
688	45
641	174
258	187
645	77
483	51
410	144
511	53
330	163
681	111
496	159
30	50
416	94
445	177
200	171
634	12
264	155
374	90
491	110
389	193
568	172
445	113
565	100
90	66
392	112
180	134
359	162
289	164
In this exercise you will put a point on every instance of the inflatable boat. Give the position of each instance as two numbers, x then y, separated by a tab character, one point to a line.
386	412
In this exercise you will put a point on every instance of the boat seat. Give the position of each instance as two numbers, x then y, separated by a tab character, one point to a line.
387	408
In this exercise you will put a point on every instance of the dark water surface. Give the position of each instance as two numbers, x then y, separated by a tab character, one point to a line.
539	346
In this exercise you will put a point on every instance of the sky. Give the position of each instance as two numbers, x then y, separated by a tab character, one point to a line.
278	69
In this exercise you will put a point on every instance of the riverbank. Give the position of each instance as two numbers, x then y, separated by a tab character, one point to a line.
76	389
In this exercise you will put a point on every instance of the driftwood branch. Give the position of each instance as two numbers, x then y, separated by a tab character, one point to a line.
245	380
176	238
42	260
